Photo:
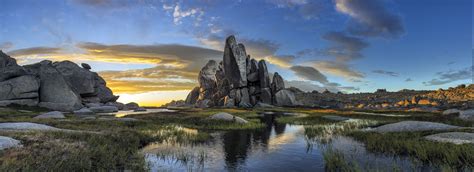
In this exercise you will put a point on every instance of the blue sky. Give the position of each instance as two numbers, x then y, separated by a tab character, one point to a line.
156	46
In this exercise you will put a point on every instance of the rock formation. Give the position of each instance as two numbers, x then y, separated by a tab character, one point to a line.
62	86
238	81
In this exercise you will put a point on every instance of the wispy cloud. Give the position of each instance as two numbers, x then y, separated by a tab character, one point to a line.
309	73
337	69
371	18
345	47
408	80
384	72
451	76
179	13
6	45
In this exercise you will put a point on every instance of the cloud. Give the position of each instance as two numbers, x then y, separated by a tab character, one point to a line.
384	72
309	73
337	69
6	45
176	55
370	18
451	76
308	9
408	80
345	48
34	51
149	79
179	13
309	86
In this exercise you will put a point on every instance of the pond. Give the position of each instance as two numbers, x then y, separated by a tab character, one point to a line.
277	147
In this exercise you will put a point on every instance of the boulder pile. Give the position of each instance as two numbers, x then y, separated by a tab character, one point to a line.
62	86
238	81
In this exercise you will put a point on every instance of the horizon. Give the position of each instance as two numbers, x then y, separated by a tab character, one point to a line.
150	52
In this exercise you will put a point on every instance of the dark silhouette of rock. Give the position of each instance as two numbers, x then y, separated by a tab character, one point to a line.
192	96
277	83
86	66
62	86
235	62
263	74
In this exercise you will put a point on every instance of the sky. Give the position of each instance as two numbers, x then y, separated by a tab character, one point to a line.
151	51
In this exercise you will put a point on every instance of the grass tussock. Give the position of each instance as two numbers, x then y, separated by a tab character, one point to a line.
413	144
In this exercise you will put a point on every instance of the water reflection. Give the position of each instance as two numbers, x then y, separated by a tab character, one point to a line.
277	147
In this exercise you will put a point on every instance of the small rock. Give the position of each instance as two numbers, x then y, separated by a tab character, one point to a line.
413	126
132	105
263	105
84	111
453	137
50	115
25	126
467	115
140	109
228	117
294	114
7	142
104	109
86	66
93	105
451	112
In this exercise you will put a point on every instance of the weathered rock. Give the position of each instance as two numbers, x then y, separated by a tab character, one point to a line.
51	115
132	105
102	91
140	109
264	78
120	106
229	102
80	80
467	115
26	102
7	142
451	112
84	111
228	117
253	66
23	87
25	126
6	60
86	66
192	96
65	107
253	77
277	83
235	62
9	72
104	109
245	98
55	90
207	76
266	96
93	99
405	126
453	137
93	104
285	98
204	103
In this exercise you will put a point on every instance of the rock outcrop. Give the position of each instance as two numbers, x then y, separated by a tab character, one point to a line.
62	86
238	81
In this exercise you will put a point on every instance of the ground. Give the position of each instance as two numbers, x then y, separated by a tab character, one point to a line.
115	145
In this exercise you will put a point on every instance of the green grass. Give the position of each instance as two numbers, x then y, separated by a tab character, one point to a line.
413	144
335	161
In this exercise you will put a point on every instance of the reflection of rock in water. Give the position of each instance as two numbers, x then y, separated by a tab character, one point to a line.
237	144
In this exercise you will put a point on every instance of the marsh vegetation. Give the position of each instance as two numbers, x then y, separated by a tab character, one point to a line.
188	140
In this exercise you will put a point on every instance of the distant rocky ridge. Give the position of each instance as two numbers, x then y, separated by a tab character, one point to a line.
237	81
62	86
461	97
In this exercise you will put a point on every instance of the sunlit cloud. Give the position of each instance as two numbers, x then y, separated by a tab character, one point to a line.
337	69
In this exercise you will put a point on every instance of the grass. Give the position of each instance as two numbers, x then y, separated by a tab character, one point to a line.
413	144
335	161
117	145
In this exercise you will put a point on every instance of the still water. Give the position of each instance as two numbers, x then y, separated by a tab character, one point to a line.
278	147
